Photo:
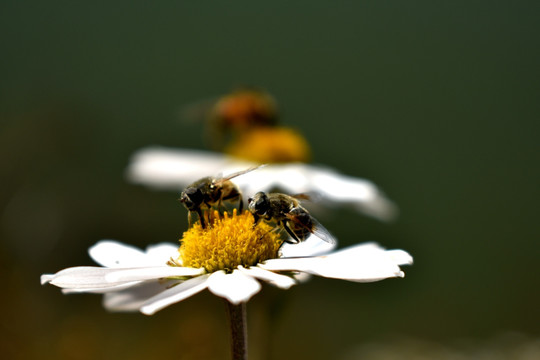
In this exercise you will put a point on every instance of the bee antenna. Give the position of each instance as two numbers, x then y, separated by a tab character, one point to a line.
238	173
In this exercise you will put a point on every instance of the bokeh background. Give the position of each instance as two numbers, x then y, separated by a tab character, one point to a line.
436	102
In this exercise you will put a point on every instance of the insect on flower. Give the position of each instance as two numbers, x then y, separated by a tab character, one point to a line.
229	256
210	192
287	212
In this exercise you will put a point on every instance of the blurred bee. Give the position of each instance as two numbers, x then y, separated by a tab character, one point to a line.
287	212
236	112
208	192
245	108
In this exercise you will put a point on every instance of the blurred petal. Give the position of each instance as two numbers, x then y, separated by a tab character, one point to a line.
288	178
278	280
148	273
175	169
133	298
175	294
359	193
235	287
362	263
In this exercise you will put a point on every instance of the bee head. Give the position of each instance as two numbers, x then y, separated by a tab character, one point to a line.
192	198
259	203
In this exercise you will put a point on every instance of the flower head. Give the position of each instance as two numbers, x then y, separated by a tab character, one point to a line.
228	258
229	242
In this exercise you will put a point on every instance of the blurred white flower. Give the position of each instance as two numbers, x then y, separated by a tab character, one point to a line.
132	280
174	169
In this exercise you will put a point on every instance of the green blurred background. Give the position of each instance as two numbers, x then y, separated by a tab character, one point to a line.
436	102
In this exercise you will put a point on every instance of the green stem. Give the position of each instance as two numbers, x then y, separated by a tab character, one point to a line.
238	323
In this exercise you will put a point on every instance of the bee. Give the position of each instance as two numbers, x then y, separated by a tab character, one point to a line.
287	212
209	191
244	108
240	110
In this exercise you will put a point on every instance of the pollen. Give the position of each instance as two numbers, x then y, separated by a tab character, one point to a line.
229	241
270	145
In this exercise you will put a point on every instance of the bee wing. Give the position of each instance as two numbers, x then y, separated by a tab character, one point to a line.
197	111
238	173
322	233
302	196
316	229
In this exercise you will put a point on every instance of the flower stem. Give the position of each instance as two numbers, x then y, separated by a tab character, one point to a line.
237	320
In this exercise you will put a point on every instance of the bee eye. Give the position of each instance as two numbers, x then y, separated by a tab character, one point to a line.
250	200
261	204
194	196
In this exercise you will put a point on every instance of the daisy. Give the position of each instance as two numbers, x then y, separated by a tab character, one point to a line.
174	169
228	258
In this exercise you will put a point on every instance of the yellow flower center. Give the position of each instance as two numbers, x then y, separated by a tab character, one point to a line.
270	145
229	241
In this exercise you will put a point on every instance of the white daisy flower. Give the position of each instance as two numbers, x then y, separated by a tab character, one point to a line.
229	259
174	169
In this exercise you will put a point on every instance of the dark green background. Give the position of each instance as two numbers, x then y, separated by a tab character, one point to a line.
437	102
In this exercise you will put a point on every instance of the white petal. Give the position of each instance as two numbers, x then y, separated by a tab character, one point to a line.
278	280
362	263
133	298
310	247
304	264
148	273
110	253
235	287
46	278
302	277
101	290
159	254
400	257
175	294
82	277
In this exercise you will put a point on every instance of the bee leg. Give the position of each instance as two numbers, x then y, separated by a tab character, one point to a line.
189	219
240	204
201	218
256	219
290	232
